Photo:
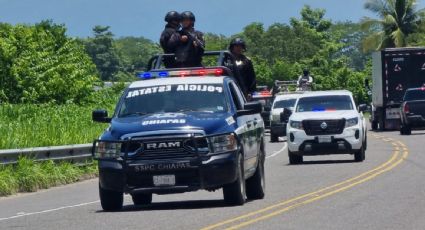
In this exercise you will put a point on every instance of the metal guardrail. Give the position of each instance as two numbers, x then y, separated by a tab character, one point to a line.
80	153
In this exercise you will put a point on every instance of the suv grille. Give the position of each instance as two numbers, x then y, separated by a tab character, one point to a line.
315	127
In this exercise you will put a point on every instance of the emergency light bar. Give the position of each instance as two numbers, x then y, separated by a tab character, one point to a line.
264	93
181	73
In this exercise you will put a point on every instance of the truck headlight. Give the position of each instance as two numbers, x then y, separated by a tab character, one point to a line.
107	150
296	124
351	122
223	143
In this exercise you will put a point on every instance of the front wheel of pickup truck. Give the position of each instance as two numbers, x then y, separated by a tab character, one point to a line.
294	159
111	200
360	154
142	199
256	185
234	193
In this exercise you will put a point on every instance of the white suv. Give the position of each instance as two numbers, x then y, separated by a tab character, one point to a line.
324	123
281	102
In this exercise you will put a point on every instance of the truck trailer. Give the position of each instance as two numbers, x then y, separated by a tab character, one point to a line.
394	71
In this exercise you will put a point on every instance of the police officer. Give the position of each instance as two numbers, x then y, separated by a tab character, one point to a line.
305	81
237	47
188	42
173	25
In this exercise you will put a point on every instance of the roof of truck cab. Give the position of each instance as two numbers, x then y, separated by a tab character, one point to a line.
287	96
326	93
177	80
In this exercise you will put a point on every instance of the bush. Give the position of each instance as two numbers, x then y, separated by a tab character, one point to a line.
40	64
29	176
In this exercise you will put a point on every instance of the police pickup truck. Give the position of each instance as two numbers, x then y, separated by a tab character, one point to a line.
177	131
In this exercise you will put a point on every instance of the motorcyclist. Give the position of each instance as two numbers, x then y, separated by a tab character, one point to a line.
305	81
248	79
173	25
188	43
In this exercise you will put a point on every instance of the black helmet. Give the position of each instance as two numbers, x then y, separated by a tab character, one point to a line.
237	42
172	16
306	72
188	15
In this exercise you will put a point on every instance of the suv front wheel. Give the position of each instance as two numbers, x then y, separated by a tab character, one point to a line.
294	159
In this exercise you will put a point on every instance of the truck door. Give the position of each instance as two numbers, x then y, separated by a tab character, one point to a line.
247	129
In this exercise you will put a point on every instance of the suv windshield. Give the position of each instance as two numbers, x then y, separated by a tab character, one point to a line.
285	103
414	95
324	103
173	98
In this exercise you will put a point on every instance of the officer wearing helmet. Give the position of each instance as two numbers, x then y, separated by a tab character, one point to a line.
173	25
305	81
248	79
188	43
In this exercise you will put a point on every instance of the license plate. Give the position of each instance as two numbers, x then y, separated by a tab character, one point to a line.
164	180
325	139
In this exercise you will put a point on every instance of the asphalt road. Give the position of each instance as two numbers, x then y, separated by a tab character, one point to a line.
386	191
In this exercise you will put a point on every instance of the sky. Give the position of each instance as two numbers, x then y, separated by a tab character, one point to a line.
145	17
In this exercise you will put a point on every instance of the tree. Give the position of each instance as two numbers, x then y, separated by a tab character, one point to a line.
102	51
397	20
40	64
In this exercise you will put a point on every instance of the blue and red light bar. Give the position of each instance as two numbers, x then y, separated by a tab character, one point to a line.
264	93
182	73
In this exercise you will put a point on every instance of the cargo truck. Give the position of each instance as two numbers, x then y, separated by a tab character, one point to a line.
394	71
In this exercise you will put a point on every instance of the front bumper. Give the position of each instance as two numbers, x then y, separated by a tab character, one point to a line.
204	172
345	143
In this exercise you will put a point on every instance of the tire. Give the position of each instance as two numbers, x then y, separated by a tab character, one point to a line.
235	193
374	125
274	138
294	159
110	200
360	155
142	199
256	185
405	130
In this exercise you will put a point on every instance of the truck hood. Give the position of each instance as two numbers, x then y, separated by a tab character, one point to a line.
210	123
347	114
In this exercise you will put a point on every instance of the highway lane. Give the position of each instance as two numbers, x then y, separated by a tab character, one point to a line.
387	195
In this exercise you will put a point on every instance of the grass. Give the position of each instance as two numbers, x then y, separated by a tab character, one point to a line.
29	176
34	125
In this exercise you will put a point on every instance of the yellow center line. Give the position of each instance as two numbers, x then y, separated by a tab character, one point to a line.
316	194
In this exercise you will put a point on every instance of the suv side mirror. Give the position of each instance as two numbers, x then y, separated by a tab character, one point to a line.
251	108
100	115
362	108
284	116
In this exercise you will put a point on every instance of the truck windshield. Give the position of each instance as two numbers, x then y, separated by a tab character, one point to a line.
173	98
414	95
284	103
324	103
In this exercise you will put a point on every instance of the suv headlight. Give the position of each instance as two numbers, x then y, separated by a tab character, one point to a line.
223	143
107	150
296	124
351	122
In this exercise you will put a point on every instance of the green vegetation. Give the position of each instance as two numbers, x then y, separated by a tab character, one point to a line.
397	20
28	176
40	64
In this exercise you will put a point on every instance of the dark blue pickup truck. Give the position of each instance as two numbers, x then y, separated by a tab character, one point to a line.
177	131
412	110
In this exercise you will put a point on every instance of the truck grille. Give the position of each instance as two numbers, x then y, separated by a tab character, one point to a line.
158	148
314	127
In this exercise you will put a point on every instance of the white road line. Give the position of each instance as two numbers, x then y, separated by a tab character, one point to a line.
22	214
275	153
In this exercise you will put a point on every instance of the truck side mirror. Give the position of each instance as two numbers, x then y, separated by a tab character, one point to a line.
284	116
362	108
250	108
101	115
